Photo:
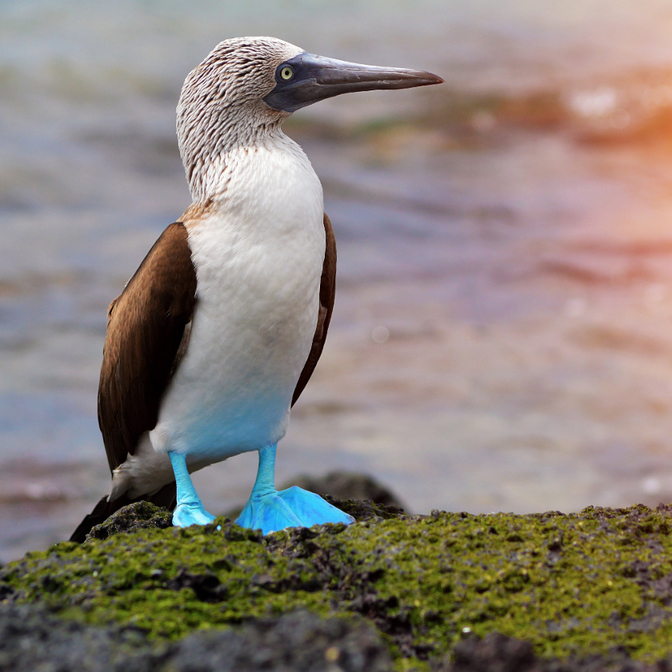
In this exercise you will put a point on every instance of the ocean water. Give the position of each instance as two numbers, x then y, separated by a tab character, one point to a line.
502	336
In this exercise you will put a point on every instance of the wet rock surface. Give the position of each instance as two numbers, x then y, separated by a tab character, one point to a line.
448	591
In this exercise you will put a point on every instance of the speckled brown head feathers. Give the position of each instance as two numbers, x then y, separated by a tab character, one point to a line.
221	105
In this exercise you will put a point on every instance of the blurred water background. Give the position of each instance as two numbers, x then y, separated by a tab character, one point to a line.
502	338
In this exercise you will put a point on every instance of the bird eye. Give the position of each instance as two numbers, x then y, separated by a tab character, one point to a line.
286	72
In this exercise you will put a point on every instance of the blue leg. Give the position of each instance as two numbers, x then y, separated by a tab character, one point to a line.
269	510
189	509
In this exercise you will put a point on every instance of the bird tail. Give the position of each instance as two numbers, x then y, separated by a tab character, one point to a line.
166	496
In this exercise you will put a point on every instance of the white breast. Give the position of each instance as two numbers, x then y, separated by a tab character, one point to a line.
258	260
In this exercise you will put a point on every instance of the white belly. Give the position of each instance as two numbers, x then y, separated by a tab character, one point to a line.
258	263
258	258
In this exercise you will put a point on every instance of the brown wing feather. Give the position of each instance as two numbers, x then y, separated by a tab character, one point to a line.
146	329
327	294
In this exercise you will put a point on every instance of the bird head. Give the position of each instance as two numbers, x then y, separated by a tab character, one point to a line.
247	86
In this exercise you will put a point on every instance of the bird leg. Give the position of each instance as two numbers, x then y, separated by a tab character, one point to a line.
269	510
189	509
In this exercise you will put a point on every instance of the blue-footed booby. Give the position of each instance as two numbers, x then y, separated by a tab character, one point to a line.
217	333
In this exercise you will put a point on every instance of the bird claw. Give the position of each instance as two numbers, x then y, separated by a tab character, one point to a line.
293	507
191	514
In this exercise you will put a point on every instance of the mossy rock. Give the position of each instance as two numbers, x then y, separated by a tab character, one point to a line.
136	516
570	585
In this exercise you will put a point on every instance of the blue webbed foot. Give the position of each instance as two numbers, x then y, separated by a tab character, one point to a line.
269	510
191	514
189	509
293	507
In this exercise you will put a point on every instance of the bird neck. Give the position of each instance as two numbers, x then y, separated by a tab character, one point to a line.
206	153
210	172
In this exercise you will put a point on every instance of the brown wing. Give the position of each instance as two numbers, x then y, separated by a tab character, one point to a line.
327	293
147	329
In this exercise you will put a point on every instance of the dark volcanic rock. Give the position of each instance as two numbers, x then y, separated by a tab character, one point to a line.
498	653
207	587
366	509
494	653
31	639
297	642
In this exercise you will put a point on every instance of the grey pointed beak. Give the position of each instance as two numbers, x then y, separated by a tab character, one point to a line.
307	78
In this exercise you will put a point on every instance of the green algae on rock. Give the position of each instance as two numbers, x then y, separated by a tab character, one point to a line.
571	585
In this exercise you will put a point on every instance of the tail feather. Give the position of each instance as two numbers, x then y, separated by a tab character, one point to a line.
166	496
